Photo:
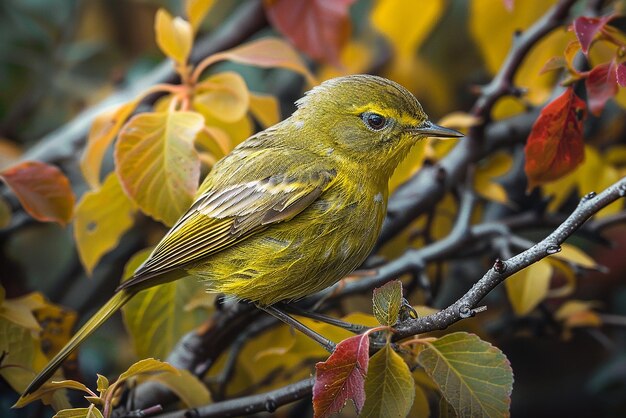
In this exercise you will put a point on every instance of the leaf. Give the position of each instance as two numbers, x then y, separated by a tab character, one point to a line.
320	28
46	389
586	29
197	10
102	133
555	145
5	213
102	217
576	256
20	310
387	301
495	166
157	163
186	386
421	406
578	313
102	383
601	85
57	323
147	366
91	412
173	35
620	72
156	318
528	287
473	376
223	95
389	386
265	53
341	377
265	109
406	24
42	189
554	63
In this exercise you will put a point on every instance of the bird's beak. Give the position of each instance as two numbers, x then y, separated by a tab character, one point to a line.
433	130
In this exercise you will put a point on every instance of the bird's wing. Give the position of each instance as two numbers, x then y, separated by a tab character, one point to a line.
222	217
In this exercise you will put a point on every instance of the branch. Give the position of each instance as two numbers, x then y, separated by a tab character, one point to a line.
247	405
430	184
464	307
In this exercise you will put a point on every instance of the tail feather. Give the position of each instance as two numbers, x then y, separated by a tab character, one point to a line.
115	303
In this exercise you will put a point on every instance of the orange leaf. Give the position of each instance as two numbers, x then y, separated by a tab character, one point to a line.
43	190
264	53
318	27
103	130
173	35
555	145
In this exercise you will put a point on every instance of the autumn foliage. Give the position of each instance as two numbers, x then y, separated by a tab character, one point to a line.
545	127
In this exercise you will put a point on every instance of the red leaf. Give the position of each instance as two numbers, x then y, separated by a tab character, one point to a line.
318	27
341	377
620	73
601	84
586	28
555	144
42	189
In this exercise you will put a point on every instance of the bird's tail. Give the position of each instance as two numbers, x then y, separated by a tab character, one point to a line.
115	303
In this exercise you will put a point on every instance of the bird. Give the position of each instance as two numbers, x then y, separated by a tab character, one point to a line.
292	209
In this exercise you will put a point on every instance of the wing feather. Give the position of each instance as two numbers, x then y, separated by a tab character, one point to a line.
222	217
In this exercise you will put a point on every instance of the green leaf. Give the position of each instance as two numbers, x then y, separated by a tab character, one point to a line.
91	412
186	386
102	217
103	383
48	388
387	302
473	376
147	366
157	164
157	317
389	386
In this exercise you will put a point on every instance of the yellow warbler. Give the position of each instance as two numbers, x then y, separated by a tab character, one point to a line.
293	208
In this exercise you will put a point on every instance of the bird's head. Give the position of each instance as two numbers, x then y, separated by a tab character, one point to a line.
366	119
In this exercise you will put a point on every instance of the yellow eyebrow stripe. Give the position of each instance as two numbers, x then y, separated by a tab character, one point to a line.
401	117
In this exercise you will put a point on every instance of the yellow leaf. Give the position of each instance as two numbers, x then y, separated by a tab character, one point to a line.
197	10
355	58
173	35
156	318
265	109
570	279
224	96
48	388
20	310
459	120
528	287
186	386
58	323
265	53
579	313
237	131
90	412
103	131
421	407
147	366
489	17
576	256
214	140
157	164
101	218
405	23
409	165
495	166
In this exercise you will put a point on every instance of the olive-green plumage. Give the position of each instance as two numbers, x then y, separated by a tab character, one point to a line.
292	209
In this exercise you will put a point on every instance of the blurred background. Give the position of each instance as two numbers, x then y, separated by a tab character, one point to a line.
60	60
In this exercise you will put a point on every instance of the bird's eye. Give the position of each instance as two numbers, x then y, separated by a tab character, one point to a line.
374	121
